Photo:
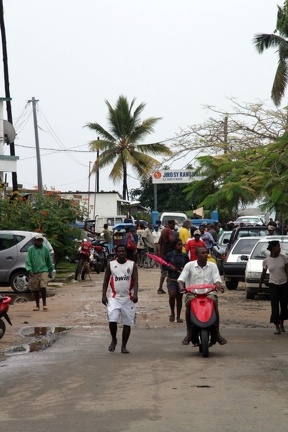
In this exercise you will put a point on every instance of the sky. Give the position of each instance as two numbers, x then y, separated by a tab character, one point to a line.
175	56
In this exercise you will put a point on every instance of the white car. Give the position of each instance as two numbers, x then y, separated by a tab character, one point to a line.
254	265
234	263
250	220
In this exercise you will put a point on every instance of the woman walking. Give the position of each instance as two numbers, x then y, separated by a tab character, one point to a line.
277	264
177	260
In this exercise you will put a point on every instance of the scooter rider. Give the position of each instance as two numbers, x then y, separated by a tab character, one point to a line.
200	272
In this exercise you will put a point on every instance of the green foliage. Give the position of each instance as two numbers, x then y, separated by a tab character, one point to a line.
48	214
277	40
170	197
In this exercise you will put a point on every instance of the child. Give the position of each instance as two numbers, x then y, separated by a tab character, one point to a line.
177	259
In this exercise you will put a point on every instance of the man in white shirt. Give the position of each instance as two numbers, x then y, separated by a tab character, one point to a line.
156	236
200	272
122	276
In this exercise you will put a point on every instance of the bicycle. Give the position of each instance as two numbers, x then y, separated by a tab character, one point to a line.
82	269
145	261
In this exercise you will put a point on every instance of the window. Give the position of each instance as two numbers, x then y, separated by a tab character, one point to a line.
9	240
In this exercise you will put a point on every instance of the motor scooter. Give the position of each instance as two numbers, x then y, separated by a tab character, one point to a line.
4	307
102	253
203	317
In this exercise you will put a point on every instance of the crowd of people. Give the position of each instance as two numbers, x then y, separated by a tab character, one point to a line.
185	259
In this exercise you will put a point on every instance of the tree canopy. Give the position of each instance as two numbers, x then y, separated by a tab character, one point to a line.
122	144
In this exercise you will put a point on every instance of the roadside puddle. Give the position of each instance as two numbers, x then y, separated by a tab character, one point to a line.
38	339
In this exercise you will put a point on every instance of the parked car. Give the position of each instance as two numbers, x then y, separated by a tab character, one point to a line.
219	250
13	251
234	264
251	220
254	265
250	231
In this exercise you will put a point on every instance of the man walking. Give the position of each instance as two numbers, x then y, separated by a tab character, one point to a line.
39	266
165	246
123	277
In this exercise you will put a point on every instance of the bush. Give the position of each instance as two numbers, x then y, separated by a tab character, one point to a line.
49	214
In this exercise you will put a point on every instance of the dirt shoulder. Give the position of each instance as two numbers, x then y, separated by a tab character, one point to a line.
78	305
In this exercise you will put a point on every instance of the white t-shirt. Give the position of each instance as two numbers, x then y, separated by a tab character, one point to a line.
156	236
121	280
140	244
193	274
276	267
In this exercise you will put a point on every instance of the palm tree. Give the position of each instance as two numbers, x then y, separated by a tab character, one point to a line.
279	40
121	145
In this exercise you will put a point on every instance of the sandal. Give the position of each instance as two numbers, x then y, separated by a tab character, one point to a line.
221	340
185	341
172	318
112	346
179	320
161	291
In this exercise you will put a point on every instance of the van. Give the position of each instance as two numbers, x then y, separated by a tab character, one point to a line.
178	217
111	221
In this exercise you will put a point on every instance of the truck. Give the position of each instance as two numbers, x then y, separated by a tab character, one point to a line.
111	221
177	216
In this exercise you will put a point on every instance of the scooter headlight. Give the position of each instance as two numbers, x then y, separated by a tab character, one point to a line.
201	291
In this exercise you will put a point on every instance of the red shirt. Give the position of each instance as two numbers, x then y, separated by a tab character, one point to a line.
191	246
86	246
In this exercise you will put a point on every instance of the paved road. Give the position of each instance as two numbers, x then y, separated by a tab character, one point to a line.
76	385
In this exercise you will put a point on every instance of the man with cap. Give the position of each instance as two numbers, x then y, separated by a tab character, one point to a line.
192	244
39	266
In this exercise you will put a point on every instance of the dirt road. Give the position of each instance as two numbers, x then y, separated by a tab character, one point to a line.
79	305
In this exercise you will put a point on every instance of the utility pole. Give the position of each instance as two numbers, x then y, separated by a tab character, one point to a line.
97	171
7	88
39	171
225	134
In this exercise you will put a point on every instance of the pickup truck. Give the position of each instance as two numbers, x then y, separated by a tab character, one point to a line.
234	268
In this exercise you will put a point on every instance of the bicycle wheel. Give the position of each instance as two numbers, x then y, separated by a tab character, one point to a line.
85	271
79	269
145	261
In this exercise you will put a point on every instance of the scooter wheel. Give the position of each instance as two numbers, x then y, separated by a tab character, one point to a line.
205	342
2	328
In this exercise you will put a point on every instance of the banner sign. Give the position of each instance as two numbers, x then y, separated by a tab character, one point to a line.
172	176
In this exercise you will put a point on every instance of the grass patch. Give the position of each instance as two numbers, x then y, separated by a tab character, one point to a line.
64	269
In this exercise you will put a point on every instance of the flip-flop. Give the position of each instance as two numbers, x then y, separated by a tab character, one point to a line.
112	346
221	340
185	341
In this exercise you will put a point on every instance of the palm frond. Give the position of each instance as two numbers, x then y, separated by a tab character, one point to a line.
264	41
280	80
101	131
101	145
155	149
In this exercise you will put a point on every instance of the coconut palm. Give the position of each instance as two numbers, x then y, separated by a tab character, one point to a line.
122	145
279	40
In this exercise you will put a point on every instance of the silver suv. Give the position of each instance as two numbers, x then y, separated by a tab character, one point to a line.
13	252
